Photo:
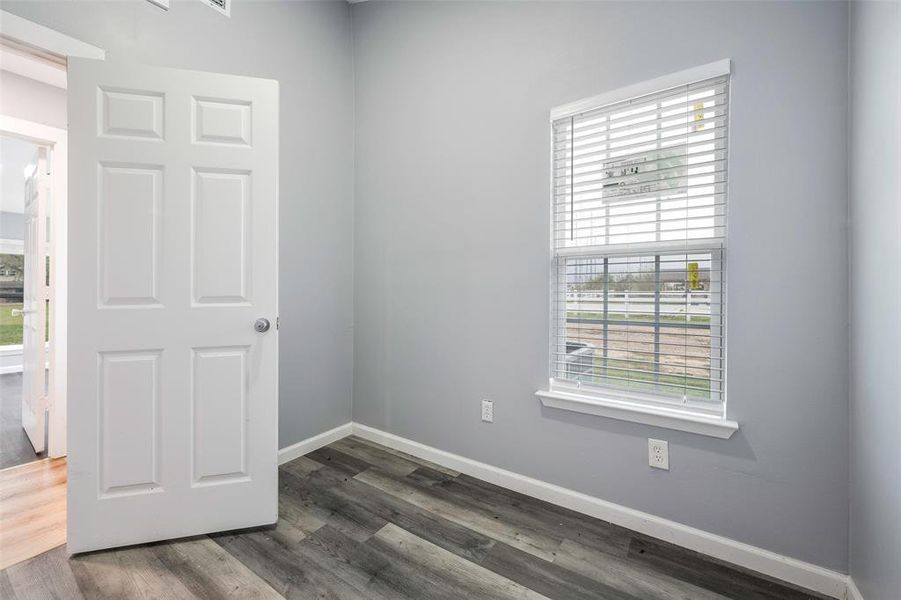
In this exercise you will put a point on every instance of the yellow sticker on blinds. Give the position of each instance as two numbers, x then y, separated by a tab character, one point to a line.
699	116
694	276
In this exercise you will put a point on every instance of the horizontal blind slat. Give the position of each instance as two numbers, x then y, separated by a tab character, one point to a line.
620	106
614	127
600	161
669	173
670	134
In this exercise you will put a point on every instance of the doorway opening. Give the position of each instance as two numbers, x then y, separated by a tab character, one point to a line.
24	300
33	234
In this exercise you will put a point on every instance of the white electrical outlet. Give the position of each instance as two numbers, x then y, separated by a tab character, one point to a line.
658	454
488	411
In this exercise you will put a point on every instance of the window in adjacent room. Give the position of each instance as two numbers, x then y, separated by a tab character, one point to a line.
639	192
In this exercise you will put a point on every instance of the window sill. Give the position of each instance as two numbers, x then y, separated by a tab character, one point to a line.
623	410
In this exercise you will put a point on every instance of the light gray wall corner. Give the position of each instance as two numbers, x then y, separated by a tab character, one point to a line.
12	225
875	274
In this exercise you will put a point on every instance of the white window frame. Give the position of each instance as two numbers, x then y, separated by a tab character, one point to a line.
648	409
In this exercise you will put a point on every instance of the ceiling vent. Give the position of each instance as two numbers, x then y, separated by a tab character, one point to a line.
223	6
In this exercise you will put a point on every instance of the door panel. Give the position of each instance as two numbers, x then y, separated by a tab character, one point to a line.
131	114
221	215
221	121
173	254
129	422
221	380
130	199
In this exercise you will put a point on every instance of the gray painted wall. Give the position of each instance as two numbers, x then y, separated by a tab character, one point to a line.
12	225
32	100
307	47
451	250
875	293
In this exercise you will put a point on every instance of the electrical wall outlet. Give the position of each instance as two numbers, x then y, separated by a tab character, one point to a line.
658	454
488	411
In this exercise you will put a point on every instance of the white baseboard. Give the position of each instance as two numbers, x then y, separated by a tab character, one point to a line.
775	565
853	592
302	447
785	568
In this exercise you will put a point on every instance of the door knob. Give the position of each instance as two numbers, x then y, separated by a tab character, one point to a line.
261	325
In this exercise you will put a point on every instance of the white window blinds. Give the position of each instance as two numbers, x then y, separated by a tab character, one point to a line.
639	236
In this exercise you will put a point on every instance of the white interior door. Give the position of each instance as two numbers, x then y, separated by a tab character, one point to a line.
34	355
173	257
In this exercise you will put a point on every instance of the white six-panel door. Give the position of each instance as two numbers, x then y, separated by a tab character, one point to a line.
34	355
173	256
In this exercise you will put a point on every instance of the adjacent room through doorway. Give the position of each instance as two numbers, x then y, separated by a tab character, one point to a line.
32	318
19	163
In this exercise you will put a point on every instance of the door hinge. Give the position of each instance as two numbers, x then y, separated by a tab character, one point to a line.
276	323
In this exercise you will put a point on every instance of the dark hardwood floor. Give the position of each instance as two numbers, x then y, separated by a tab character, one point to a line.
358	520
15	449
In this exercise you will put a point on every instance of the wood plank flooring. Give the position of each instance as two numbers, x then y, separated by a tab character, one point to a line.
32	509
361	521
15	448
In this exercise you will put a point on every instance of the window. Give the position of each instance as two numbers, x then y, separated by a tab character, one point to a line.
12	278
639	186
